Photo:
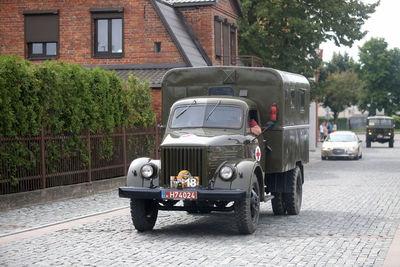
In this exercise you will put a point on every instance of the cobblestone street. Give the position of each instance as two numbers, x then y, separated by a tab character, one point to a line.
349	217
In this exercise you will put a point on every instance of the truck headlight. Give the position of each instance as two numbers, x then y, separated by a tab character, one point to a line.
147	171
226	172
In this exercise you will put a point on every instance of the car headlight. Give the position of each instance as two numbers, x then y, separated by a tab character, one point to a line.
226	172
147	171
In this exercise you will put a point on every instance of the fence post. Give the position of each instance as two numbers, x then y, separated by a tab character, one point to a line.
90	158
42	152
124	147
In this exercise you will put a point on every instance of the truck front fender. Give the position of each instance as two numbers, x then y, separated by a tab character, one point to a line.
244	172
134	177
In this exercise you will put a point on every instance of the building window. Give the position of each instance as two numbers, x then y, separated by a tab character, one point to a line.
217	36
226	42
225	37
233	44
41	34
108	39
157	47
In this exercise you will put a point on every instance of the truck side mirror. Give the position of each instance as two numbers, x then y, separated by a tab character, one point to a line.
269	125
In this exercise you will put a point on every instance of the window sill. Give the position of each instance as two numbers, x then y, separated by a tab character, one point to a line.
42	58
109	56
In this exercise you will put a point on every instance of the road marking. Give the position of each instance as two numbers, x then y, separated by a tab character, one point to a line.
48	228
393	257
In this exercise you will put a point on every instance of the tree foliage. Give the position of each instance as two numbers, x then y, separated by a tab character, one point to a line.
380	69
339	63
65	99
341	90
287	34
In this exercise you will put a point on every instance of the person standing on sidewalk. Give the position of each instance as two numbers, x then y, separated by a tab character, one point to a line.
322	131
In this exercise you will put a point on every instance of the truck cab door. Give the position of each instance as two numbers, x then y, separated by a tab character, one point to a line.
257	146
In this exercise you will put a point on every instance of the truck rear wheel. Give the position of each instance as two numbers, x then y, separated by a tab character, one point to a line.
391	143
293	199
278	206
144	213
247	211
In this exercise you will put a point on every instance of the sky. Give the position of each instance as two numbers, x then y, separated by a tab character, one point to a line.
384	23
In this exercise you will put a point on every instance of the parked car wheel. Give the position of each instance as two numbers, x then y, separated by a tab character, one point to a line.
144	213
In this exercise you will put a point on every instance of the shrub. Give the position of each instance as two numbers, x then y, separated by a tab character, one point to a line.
65	99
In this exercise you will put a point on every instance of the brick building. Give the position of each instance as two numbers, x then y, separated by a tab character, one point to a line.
143	37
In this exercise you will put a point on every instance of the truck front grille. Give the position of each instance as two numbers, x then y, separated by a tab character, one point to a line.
176	159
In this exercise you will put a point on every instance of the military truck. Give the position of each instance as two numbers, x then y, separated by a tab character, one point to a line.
210	160
380	129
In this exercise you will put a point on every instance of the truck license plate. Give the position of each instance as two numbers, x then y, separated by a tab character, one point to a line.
178	194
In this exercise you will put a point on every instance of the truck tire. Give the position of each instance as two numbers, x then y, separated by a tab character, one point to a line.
391	143
292	200
368	143
278	206
247	212
144	214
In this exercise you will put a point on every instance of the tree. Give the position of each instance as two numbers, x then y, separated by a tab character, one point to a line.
286	34
380	69
338	63
341	90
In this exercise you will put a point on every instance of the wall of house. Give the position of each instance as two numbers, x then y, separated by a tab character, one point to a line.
142	27
202	22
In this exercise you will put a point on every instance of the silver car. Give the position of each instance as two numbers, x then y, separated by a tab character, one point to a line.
342	144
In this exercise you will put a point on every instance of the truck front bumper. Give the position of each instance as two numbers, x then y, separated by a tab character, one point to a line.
202	194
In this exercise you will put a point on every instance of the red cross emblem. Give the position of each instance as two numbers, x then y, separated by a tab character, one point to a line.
258	153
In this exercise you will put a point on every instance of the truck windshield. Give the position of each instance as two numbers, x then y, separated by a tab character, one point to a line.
208	116
380	122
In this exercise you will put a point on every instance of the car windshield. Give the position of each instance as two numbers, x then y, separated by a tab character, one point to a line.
341	138
207	116
380	122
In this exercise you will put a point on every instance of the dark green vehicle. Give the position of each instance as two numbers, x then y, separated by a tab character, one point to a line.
211	160
380	129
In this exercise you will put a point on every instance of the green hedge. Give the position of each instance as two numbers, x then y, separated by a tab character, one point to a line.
65	99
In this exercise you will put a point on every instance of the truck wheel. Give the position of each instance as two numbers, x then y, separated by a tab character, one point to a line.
293	199
144	213
368	143
391	143
278	206
247	211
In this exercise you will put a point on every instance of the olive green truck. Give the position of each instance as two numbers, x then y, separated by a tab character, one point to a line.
211	160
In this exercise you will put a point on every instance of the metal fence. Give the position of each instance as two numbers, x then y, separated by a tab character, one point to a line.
48	169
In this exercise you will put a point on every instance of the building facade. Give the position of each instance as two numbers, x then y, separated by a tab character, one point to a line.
142	37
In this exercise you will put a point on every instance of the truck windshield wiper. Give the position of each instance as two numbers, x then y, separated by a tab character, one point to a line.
216	105
183	111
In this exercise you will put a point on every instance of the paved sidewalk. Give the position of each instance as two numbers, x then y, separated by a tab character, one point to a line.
24	218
